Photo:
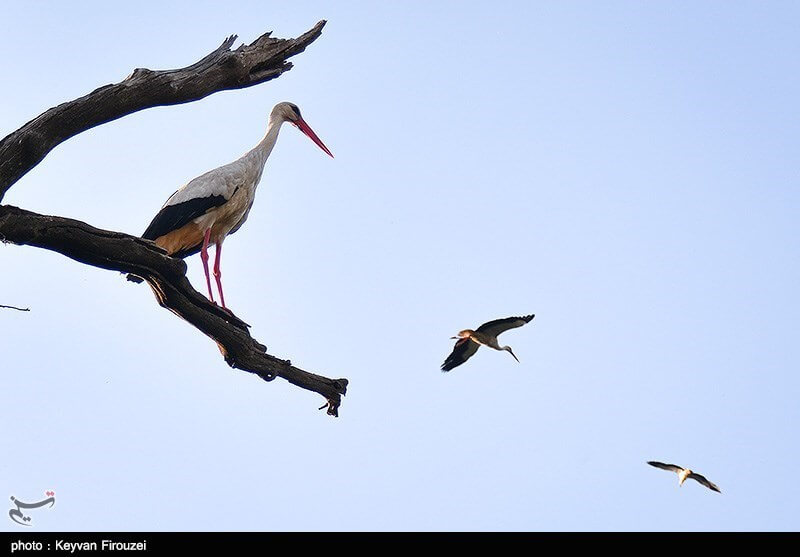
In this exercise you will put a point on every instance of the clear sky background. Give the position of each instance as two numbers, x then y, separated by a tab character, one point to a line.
627	171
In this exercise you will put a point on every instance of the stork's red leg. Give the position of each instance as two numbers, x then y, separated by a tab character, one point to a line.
218	273
204	257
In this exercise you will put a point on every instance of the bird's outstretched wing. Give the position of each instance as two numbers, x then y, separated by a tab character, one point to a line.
463	351
497	326
670	467
704	481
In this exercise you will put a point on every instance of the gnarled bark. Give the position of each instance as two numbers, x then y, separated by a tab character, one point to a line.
23	149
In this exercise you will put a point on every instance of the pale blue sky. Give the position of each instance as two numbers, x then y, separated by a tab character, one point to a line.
627	171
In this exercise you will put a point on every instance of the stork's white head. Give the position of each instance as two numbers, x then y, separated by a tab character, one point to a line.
285	112
288	112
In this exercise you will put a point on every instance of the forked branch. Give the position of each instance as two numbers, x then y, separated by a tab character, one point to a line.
20	151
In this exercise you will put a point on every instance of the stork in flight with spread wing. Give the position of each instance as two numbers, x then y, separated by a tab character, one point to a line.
470	340
215	204
684	474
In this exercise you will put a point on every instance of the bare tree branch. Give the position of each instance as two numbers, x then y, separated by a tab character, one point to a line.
167	277
14	307
221	70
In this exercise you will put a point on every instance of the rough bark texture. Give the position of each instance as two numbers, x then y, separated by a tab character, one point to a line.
23	149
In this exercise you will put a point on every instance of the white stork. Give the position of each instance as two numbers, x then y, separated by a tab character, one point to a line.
215	204
684	473
470	340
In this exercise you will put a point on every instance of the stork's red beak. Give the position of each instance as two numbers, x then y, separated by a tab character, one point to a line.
306	129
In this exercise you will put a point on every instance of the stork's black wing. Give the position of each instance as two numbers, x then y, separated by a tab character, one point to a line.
173	217
497	326
463	351
704	481
670	467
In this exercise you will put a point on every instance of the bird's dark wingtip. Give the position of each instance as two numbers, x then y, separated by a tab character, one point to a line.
448	365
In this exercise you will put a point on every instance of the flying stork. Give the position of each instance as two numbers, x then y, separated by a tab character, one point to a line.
215	204
684	473
470	340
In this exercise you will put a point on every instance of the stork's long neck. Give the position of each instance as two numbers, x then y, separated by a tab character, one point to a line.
259	154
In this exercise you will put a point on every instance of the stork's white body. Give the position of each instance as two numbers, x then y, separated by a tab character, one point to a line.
215	204
235	183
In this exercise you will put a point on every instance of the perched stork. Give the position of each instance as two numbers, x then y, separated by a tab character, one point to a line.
684	473
469	341
215	204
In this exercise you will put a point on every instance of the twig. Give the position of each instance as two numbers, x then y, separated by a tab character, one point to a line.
15	307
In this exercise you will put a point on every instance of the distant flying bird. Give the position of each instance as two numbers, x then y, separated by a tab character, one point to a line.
684	473
469	341
216	204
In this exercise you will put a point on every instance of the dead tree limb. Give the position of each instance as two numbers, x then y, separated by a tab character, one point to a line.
221	70
167	277
23	149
